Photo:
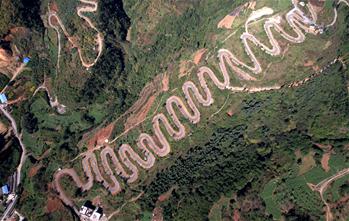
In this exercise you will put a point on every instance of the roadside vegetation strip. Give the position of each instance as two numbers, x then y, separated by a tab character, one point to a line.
158	144
91	6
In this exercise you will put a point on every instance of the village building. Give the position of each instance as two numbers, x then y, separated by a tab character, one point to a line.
89	212
3	99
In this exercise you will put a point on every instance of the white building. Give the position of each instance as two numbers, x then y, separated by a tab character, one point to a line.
89	212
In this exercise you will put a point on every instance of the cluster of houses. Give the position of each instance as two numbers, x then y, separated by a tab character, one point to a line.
89	212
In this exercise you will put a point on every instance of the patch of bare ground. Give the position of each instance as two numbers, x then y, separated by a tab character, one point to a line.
228	20
53	204
158	214
236	215
34	170
165	196
309	63
184	68
8	62
100	137
198	55
324	161
3	128
53	6
128	36
319	4
165	83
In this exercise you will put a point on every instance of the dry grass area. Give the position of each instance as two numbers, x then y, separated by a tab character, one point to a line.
140	109
141	113
325	160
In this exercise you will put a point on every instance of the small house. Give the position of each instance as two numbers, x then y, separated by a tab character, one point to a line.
87	209
3	99
4	190
26	60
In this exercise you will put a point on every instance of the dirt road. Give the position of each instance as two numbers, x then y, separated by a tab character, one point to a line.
158	144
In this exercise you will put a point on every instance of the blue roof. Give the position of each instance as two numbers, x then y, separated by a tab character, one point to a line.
5	189
26	60
3	98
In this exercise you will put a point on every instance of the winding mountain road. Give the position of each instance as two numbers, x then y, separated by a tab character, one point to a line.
91	6
157	145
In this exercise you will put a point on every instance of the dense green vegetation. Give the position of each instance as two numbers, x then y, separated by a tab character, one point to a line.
9	158
228	162
15	13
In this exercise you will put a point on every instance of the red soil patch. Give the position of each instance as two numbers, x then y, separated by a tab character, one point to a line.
53	204
53	7
198	55
236	215
228	20
34	170
230	112
157	214
165	196
165	83
324	161
309	63
142	113
100	136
